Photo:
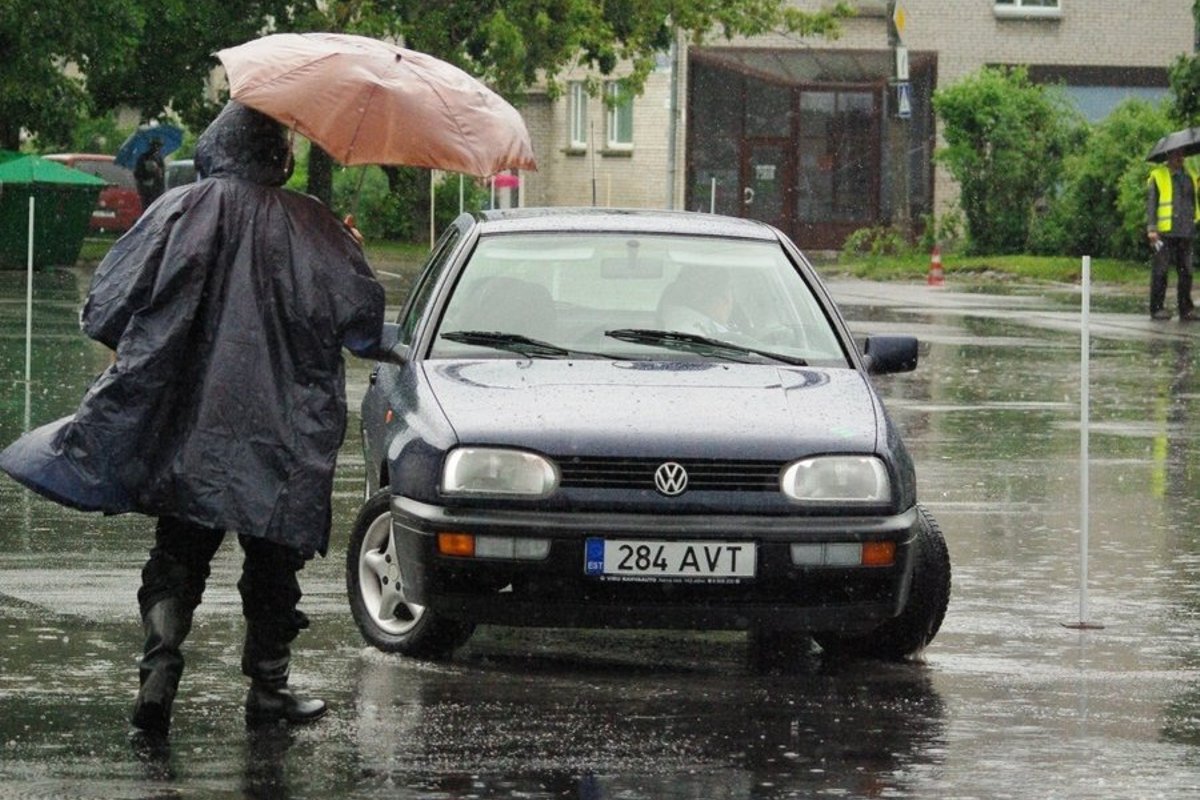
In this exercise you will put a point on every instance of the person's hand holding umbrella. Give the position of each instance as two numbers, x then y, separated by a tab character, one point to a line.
352	226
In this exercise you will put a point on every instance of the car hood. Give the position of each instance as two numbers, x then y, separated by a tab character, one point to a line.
656	408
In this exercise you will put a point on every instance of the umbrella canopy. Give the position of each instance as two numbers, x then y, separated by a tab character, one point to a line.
17	168
139	141
1187	140
64	199
369	102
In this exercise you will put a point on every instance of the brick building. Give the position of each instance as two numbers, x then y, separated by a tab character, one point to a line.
807	134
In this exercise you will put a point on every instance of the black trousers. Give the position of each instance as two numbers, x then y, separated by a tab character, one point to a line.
179	566
1176	251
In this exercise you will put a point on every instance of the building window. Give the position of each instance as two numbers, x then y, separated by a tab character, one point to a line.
1028	8
620	117
577	110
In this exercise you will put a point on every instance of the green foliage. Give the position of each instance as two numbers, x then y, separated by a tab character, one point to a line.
948	231
475	196
102	134
36	38
880	240
1005	141
1102	206
1184	76
172	55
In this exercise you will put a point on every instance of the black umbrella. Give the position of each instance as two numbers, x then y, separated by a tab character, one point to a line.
1186	140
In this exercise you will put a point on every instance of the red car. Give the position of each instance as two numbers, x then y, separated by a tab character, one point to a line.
119	205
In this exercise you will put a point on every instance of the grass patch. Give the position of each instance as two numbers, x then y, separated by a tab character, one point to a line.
1047	269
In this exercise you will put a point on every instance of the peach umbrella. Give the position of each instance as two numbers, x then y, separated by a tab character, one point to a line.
365	101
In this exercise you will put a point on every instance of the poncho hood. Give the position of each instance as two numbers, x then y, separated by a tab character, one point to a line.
244	143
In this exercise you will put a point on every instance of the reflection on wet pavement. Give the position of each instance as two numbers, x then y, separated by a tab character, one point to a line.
1006	703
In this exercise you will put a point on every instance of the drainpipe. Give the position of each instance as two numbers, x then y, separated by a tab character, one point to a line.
673	123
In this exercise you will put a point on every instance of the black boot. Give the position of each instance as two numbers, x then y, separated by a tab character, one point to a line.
266	661
166	623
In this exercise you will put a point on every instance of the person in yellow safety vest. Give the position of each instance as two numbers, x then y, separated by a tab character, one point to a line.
1172	213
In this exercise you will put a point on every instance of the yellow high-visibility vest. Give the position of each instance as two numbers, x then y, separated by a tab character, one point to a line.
1161	175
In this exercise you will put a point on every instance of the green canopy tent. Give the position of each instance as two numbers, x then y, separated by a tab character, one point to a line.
63	199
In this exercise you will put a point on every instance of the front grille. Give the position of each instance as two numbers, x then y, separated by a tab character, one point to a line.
638	473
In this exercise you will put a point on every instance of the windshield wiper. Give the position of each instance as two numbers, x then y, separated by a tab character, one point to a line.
701	345
521	345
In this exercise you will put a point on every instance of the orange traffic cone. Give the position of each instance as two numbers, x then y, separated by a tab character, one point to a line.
937	277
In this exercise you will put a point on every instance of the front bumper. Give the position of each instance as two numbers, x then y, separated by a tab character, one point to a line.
556	592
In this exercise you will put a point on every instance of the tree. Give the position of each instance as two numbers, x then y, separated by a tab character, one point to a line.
157	54
39	37
1005	141
171	63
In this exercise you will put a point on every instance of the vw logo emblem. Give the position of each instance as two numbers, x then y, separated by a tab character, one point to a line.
671	479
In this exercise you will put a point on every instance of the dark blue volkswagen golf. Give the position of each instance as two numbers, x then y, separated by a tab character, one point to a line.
627	419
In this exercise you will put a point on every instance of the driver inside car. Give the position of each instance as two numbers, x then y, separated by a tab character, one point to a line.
699	300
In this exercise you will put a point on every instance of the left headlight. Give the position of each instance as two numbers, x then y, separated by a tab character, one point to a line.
493	471
840	479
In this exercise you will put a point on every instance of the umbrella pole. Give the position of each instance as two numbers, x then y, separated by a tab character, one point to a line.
358	190
29	313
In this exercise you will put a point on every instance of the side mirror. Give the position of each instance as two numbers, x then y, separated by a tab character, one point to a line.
391	349
888	354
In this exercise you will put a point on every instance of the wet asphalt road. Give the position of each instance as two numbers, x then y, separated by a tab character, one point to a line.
1006	703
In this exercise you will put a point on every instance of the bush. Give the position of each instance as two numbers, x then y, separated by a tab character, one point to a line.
881	240
446	201
948	231
1006	138
1102	206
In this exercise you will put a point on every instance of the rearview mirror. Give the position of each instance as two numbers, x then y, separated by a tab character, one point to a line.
631	267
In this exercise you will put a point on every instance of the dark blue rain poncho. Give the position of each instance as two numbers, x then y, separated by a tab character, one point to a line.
228	305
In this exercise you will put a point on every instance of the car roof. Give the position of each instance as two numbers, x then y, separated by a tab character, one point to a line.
78	156
608	220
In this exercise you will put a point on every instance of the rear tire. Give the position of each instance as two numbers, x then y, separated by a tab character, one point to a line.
384	617
928	597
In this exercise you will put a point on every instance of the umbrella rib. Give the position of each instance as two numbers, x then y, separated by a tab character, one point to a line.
358	125
445	106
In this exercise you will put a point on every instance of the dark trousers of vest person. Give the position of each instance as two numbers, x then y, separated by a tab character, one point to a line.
1176	251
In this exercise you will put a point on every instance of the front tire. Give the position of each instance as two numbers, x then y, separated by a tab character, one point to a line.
919	621
384	617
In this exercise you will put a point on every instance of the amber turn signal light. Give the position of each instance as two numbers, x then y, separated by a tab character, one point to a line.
878	554
456	544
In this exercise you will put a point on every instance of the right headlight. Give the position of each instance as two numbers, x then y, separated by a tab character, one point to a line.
837	479
496	471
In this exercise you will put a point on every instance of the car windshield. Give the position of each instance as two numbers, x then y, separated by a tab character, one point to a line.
689	298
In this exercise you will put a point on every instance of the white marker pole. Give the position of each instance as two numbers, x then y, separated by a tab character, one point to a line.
29	314
712	197
1084	457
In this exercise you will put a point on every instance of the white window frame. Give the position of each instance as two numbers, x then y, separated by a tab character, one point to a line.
612	90
577	115
1027	9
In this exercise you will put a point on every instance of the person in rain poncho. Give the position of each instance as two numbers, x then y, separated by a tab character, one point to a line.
150	174
228	307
